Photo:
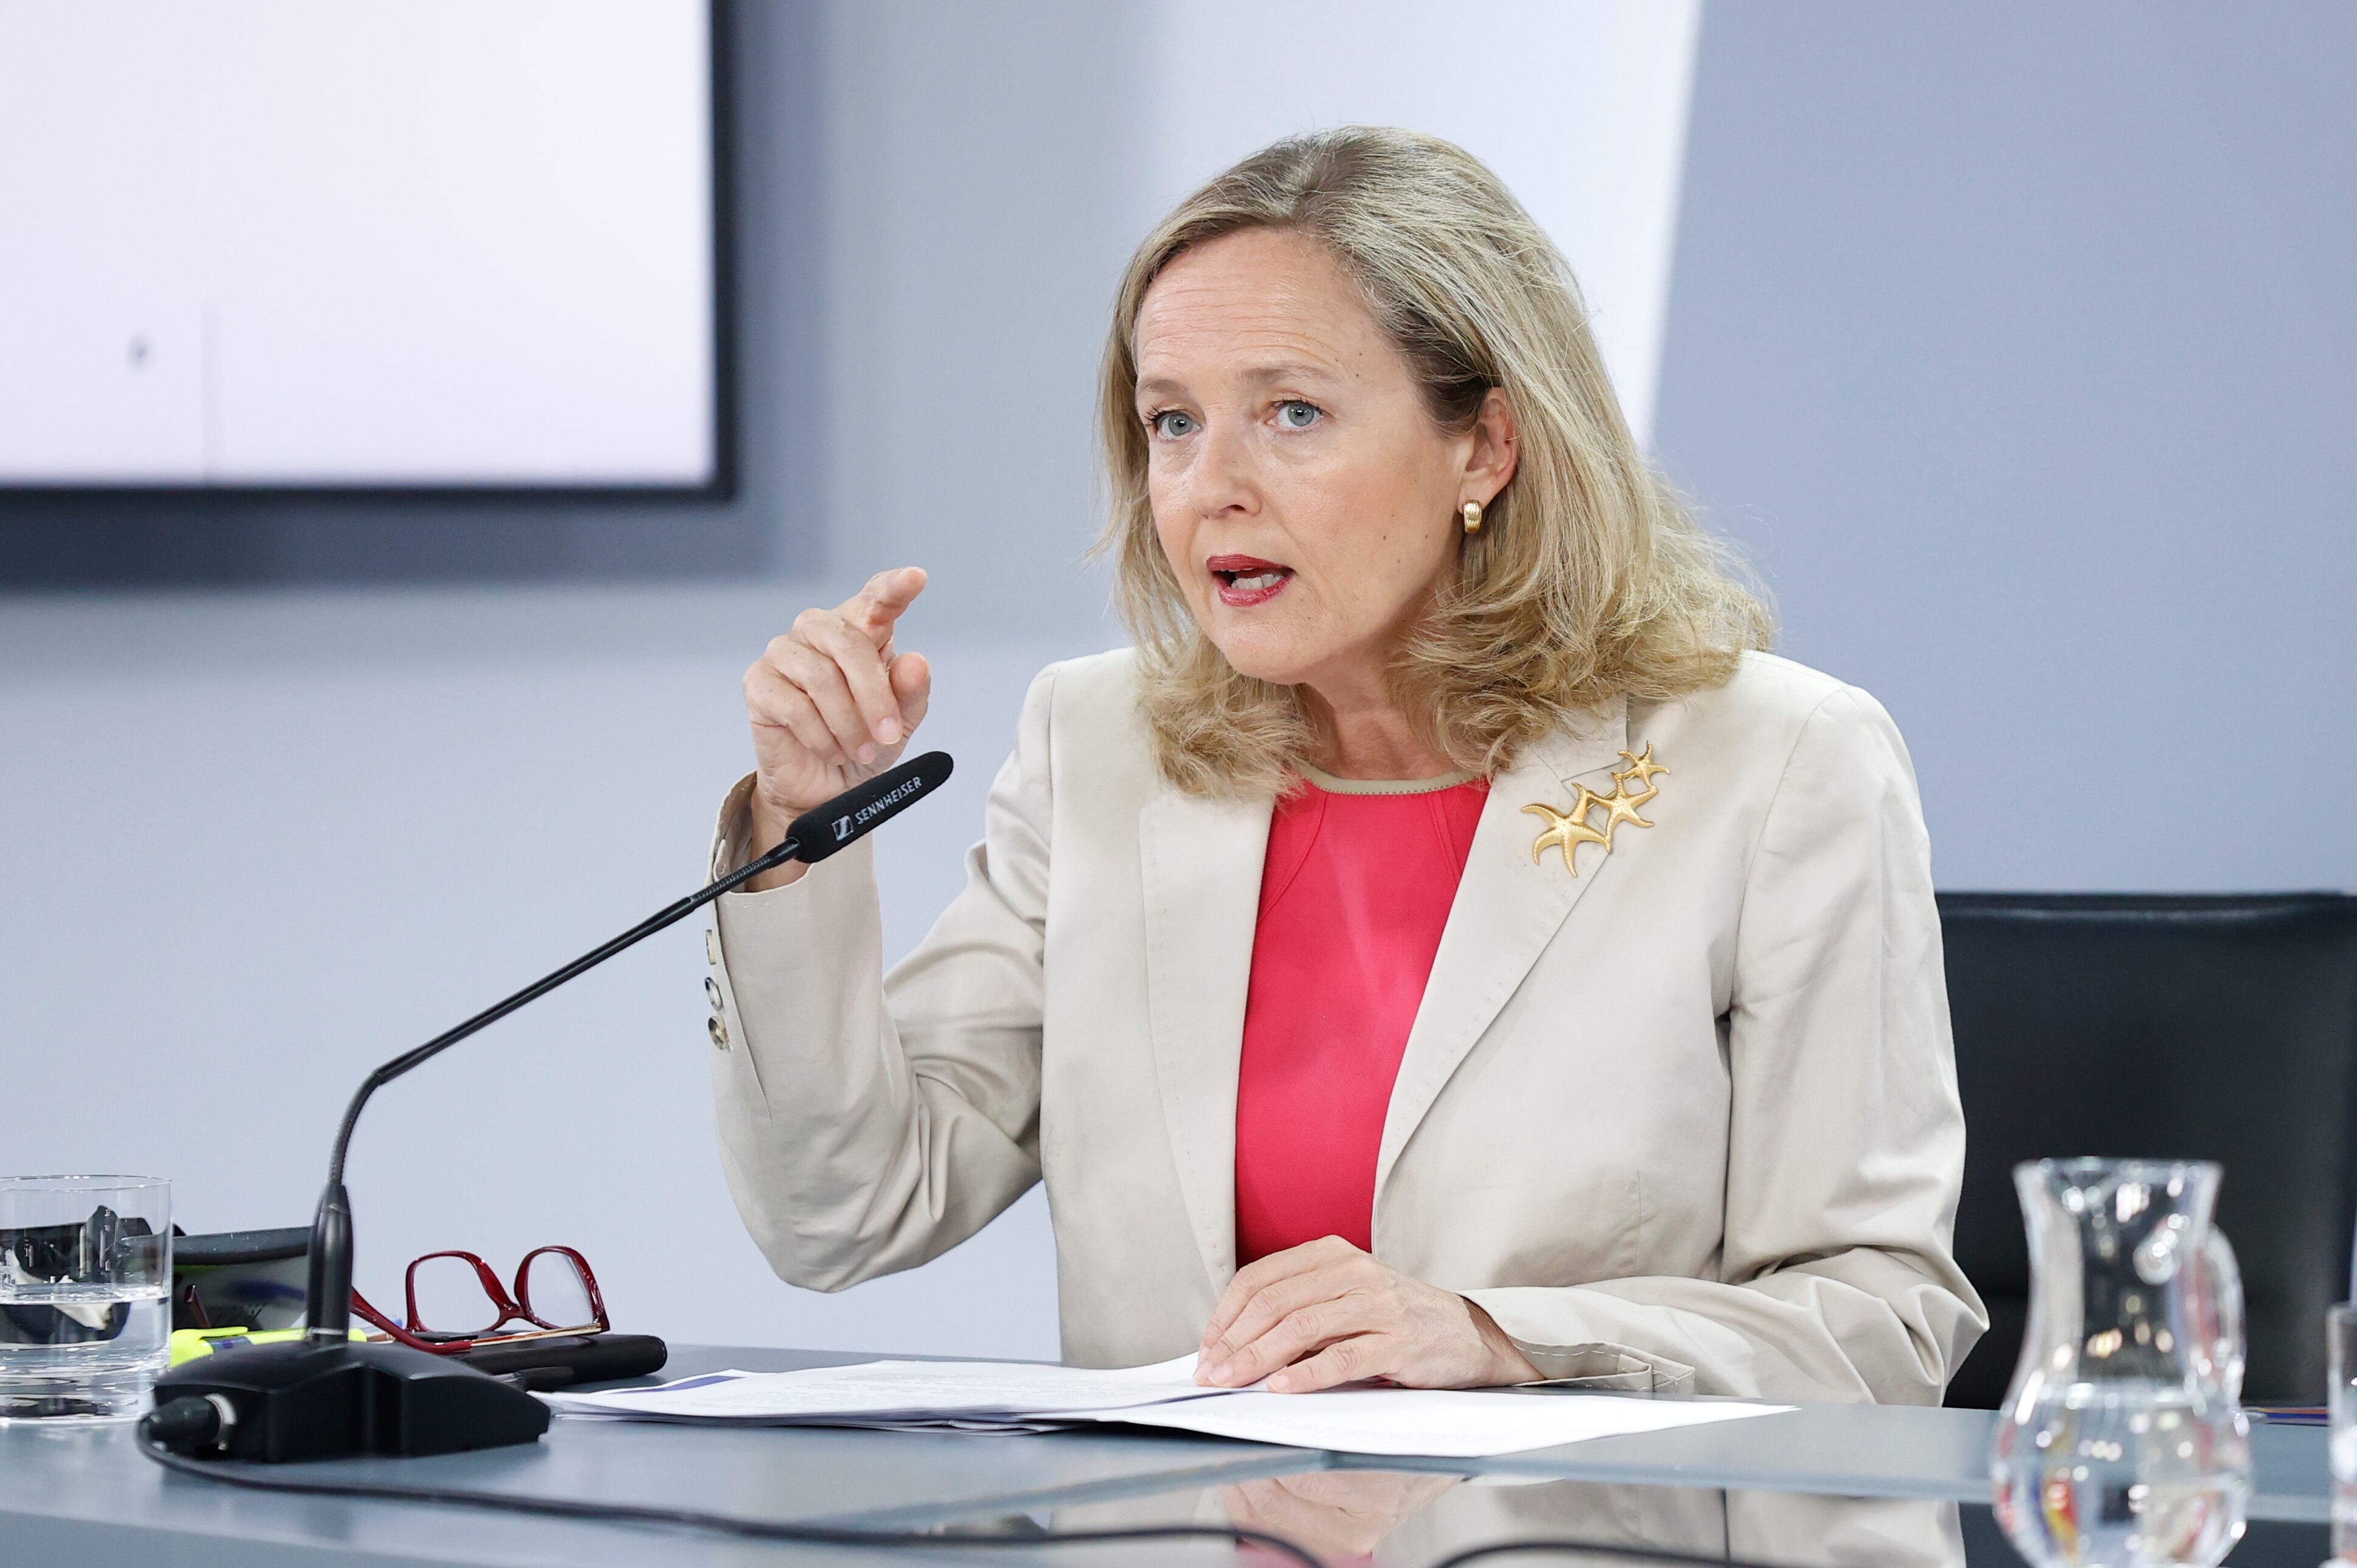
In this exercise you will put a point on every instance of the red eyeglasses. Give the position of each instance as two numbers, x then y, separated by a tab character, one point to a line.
455	1302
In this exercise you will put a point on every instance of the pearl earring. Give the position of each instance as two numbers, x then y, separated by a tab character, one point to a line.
1472	511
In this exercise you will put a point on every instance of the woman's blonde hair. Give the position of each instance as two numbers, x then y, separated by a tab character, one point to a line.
1590	578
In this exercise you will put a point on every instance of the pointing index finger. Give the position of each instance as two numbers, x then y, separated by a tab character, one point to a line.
881	602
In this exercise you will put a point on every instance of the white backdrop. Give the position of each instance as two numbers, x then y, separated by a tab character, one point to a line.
1580	105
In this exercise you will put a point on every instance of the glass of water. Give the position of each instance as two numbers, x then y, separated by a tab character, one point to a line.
2341	1353
85	1296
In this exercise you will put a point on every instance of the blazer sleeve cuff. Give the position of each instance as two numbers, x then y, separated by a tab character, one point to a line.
1566	1359
816	925
732	833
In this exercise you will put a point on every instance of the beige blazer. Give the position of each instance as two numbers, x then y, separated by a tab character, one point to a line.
1684	1119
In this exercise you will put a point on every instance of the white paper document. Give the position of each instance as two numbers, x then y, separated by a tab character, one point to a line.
997	1396
897	1391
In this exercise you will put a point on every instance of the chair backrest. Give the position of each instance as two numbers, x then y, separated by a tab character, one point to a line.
2185	1026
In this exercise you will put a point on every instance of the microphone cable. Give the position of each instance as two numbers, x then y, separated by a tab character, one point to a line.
782	1533
1595	1549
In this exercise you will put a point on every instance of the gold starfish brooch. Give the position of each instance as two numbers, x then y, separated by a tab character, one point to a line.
1567	831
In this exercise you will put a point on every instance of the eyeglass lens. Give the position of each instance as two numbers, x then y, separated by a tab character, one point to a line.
451	1298
554	1292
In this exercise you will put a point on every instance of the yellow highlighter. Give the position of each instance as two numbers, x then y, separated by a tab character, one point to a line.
188	1344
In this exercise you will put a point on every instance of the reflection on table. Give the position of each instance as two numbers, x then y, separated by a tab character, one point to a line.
1410	1518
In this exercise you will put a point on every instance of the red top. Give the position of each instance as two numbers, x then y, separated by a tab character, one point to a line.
1353	896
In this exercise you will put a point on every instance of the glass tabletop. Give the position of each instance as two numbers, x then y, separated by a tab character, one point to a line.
1408	1519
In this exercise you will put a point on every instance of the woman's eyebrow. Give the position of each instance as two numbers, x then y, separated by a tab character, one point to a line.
1290	370
1295	370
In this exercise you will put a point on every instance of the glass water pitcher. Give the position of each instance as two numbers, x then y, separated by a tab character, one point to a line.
2122	1440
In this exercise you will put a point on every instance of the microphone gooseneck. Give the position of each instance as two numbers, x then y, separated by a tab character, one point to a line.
812	837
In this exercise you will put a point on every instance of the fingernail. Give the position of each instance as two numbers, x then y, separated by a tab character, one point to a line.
867	752
1279	1384
888	731
1220	1373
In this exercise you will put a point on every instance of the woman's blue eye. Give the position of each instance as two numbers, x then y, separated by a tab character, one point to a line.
1297	416
1170	425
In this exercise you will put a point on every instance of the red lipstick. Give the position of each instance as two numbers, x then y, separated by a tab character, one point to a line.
1247	580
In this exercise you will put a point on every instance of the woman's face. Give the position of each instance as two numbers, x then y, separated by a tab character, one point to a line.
1306	501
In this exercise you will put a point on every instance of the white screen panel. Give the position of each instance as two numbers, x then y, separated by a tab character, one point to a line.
289	243
1583	115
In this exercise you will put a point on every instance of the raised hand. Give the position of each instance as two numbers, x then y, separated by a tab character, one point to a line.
832	704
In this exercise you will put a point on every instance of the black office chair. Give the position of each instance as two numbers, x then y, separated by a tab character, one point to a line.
2220	1029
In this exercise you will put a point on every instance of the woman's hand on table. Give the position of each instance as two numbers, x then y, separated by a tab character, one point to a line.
832	704
1325	1313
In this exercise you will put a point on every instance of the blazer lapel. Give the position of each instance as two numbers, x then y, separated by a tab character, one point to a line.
1200	862
1508	908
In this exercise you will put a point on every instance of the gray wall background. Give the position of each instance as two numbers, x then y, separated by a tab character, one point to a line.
2010	341
2014	341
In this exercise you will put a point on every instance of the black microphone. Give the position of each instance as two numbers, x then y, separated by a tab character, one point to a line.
323	1396
860	810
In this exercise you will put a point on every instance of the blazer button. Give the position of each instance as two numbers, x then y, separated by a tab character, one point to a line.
717	1027
712	993
712	947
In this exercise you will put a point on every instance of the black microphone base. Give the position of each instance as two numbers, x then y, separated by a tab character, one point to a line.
301	1399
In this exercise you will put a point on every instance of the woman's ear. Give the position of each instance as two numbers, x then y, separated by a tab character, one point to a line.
1497	447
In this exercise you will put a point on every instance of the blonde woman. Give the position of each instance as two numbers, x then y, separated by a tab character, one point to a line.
1447	948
